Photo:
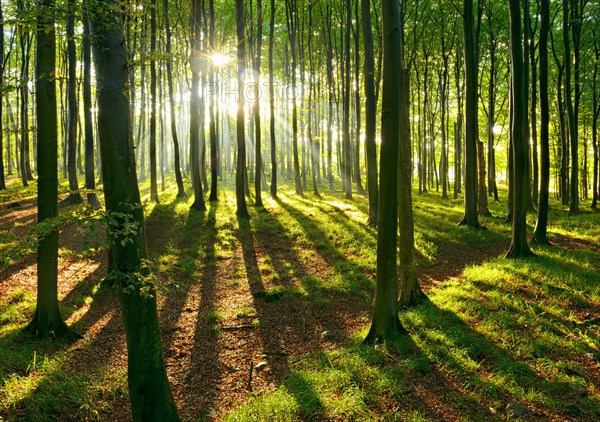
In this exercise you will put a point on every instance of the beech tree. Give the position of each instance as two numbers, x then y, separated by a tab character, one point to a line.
519	131
149	390
240	171
47	321
385	324
470	217
540	233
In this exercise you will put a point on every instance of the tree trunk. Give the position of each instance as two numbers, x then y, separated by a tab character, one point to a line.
240	175
410	291
214	169
347	165
596	114
521	195
292	26
272	103
73	109
196	63
90	180
47	321
153	164
470	217
149	390
370	111
357	103
573	130
2	181
386	324
257	130
176	152
482	197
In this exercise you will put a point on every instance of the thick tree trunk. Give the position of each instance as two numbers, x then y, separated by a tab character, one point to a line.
386	324
149	390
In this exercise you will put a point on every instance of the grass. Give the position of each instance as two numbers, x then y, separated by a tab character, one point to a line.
502	332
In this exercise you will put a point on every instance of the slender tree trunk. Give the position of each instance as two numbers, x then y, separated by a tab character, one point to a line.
196	63
521	194
240	175
410	292
482	197
292	24
47	321
90	180
73	109
370	111
272	103
573	130
357	103
386	324
347	166
176	148
214	169
257	121
2	180
153	163
470	217
596	114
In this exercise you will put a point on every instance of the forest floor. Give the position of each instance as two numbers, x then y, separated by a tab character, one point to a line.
263	320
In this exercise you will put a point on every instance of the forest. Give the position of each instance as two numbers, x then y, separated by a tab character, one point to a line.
260	210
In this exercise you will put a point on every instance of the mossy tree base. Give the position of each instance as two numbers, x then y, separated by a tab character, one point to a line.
385	329
74	198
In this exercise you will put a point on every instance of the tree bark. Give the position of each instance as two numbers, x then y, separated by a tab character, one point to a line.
410	291
272	103
470	217
149	390
47	321
90	180
386	324
370	111
540	234
240	174
176	152
521	194
196	63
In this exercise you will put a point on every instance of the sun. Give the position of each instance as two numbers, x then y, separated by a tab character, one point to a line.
220	59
